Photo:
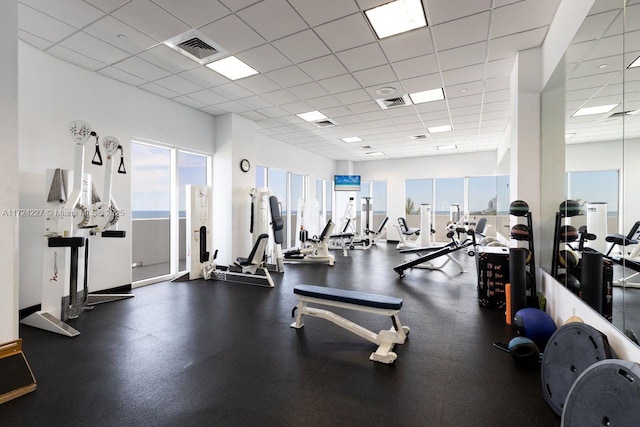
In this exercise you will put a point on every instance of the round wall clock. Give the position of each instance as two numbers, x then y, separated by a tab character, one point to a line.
245	165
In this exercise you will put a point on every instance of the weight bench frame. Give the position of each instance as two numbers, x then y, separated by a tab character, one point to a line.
359	301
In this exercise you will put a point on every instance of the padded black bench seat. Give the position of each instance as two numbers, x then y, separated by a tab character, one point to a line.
342	236
350	297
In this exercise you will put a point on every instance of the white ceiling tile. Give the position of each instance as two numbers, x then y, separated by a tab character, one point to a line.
117	74
141	68
289	76
507	46
258	84
430	107
302	46
408	45
190	102
107	5
415	67
498	95
337	111
497	83
232	34
463	56
522	16
465	101
33	40
194	13
364	107
93	48
208	97
308	90
111	30
232	91
461	32
353	96
375	76
159	90
236	5
501	67
417	84
297	107
253	116
439	12
359	58
323	102
322	68
255	102
167	58
279	97
178	84
466	111
605	47
464	90
150	19
204	77
75	58
273	112
373	116
76	13
496	106
232	107
347	32
463	75
339	84
273	19
264	58
41	25
319	12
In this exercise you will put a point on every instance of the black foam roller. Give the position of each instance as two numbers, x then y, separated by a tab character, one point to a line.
592	280
518	278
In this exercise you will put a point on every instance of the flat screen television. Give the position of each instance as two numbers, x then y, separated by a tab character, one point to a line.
346	182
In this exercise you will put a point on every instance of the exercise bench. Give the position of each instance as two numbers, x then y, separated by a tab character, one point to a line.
353	300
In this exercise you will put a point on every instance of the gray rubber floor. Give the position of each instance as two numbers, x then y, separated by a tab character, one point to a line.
222	354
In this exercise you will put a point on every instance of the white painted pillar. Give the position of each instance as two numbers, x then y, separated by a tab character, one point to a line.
9	195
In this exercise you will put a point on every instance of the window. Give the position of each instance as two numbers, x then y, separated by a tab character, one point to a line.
192	170
298	202
417	192
595	186
483	200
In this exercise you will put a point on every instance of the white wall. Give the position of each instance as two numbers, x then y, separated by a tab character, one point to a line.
52	93
9	166
396	171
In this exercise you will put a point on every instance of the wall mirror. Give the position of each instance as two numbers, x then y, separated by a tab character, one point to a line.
602	139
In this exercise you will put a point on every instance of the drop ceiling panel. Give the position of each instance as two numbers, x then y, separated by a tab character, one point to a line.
449	10
463	56
119	34
523	16
408	45
150	19
107	6
255	102
75	58
232	91
93	48
33	40
159	90
464	75
236	5
232	34
279	97
417	84
204	77
141	68
76	13
273	19
322	68
503	47
415	67
258	84
41	25
178	84
264	58
289	76
361	57
346	33
168	59
302	46
375	76
308	91
594	26
194	13
117	74
340	84
461	32
319	12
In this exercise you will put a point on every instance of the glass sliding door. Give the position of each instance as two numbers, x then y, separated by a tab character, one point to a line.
417	192
297	201
277	183
483	200
448	205
151	211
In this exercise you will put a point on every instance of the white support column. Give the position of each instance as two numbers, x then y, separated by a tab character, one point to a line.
9	195
526	86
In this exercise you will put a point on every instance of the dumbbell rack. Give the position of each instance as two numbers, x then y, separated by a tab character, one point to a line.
531	265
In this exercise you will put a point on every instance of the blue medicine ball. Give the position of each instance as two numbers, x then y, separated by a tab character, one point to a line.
534	324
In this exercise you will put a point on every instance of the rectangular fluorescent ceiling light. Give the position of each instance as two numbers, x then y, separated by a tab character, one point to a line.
600	109
438	129
375	153
635	63
312	116
396	17
232	68
352	139
427	96
446	147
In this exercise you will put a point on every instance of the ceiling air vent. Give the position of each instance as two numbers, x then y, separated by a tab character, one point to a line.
418	137
401	101
196	46
324	123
